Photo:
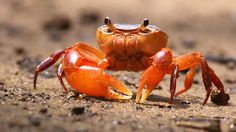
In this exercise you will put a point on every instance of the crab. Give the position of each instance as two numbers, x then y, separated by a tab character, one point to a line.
131	47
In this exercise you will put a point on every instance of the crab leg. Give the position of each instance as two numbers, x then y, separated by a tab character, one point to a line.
206	80
192	60
216	81
188	81
174	76
47	63
60	75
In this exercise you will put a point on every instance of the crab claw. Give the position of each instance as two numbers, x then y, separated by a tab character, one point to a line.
118	90
149	80
93	81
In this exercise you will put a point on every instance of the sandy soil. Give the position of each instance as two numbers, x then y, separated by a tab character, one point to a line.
30	30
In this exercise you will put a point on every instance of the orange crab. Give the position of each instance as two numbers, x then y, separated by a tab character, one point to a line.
133	47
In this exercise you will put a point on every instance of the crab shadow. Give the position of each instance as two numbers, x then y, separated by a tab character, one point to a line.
153	100
163	102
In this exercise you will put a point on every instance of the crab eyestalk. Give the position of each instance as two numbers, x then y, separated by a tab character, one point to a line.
107	21
144	25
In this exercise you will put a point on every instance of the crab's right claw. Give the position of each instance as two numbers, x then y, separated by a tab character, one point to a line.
149	80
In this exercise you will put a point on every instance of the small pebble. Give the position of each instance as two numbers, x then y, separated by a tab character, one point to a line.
185	102
209	125
19	50
117	122
216	98
34	121
77	110
107	106
2	86
43	110
139	108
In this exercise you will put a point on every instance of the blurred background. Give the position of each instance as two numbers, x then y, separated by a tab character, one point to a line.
32	29
40	27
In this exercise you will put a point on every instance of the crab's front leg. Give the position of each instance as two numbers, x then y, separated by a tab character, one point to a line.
190	61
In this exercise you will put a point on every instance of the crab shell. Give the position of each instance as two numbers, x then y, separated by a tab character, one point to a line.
128	47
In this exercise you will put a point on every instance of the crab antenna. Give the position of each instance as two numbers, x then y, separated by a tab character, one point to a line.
107	21
144	25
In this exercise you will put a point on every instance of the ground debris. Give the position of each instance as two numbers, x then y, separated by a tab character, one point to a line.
1	86
43	110
77	110
216	97
19	51
36	121
200	123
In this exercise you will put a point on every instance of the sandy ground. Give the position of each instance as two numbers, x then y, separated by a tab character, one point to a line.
30	30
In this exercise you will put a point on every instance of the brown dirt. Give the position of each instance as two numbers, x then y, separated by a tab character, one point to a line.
30	30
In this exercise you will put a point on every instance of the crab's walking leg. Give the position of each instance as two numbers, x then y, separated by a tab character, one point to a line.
122	92
206	80
174	76
192	60
47	63
188	81
60	75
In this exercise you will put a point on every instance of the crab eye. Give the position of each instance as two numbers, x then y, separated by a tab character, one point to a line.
143	28
107	21
145	22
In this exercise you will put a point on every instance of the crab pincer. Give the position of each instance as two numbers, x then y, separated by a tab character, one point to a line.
81	66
